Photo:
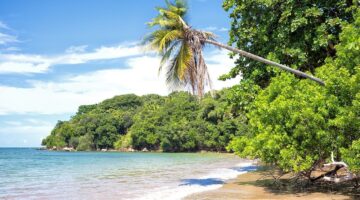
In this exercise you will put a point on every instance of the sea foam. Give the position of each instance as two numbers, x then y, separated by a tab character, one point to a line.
211	181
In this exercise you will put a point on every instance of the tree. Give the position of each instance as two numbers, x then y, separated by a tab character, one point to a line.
300	34
177	122
181	48
297	125
85	143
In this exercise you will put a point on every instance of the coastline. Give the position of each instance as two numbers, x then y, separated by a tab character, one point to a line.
112	175
123	150
256	185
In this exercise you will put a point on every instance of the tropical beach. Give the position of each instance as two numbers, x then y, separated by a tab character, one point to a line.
180	99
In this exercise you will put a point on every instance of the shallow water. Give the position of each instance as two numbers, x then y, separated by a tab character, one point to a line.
32	174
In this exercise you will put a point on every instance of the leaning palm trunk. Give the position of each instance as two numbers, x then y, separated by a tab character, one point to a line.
202	36
263	60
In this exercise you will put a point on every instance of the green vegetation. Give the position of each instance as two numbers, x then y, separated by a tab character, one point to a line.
178	122
299	34
296	124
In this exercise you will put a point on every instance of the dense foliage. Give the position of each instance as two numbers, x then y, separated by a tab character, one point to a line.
300	34
178	122
296	124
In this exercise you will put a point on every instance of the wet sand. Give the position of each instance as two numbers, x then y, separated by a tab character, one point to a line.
256	185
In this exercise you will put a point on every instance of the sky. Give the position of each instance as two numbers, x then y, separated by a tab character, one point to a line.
57	55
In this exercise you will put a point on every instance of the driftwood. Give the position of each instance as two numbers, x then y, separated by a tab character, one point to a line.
332	175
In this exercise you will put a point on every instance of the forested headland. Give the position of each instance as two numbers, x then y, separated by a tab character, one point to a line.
174	123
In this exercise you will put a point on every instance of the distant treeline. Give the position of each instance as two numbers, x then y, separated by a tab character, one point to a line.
178	122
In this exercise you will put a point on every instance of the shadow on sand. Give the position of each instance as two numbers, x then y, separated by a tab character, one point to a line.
202	182
300	187
215	181
245	169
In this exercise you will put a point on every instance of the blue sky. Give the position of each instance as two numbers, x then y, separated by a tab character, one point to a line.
59	54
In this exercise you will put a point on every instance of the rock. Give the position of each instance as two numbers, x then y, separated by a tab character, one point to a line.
129	149
145	150
68	149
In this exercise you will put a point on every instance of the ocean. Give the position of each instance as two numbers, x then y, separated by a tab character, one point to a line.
27	173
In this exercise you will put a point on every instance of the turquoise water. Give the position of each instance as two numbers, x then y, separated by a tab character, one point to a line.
33	174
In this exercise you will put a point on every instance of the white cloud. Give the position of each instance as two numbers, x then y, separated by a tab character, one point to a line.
27	129
6	38
26	124
139	77
214	28
76	49
24	134
23	67
101	53
3	25
28	63
13	123
219	63
11	49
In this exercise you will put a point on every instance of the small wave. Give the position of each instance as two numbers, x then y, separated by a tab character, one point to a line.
214	180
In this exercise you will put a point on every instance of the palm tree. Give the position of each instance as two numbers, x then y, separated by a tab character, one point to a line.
181	49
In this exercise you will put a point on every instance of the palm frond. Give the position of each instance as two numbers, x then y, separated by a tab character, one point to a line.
179	6
167	55
170	16
168	38
163	23
180	48
153	40
172	80
209	35
178	67
185	57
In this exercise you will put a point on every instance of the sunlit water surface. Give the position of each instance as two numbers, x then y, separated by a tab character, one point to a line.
32	174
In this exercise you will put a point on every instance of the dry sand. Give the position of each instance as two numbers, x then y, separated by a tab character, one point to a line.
254	185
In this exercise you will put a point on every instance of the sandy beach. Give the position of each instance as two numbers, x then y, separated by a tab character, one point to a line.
256	185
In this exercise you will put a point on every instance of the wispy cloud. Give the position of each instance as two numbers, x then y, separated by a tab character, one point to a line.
216	29
28	122
5	37
64	96
30	63
3	25
76	49
28	132
12	49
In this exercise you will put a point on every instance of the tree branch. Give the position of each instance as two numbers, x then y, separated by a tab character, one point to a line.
329	173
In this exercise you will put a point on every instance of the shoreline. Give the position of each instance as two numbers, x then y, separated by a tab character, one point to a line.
97	175
255	185
210	181
125	151
246	180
